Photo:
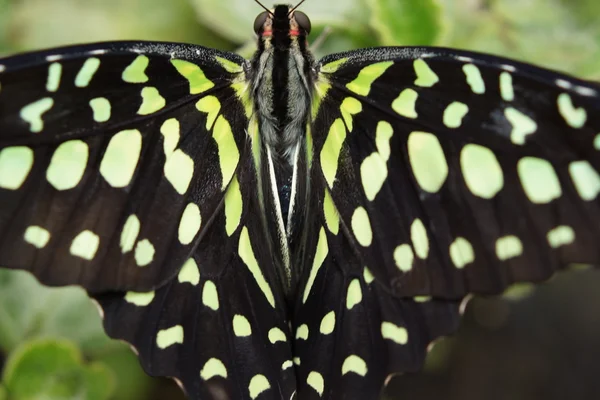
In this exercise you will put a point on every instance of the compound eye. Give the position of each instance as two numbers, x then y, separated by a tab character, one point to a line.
260	21
302	20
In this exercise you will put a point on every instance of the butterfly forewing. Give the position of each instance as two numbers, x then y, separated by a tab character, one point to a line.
113	159
456	172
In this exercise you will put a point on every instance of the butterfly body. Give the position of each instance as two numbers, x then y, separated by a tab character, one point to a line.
275	226
281	78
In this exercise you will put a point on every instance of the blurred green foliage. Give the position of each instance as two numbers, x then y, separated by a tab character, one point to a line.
54	336
54	369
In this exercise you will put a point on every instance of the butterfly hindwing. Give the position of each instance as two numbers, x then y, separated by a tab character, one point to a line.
456	172
219	326
350	333
113	158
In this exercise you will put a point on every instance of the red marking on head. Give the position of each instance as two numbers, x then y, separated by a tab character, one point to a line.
294	32
267	33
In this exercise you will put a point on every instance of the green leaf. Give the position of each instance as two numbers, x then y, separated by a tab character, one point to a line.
30	310
405	22
54	370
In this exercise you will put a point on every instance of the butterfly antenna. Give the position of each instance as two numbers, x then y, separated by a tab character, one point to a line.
266	9
297	5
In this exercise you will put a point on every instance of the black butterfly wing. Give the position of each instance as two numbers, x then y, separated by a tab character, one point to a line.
102	148
350	333
458	172
445	173
124	168
219	326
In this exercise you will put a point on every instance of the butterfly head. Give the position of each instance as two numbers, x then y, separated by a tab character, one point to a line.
282	20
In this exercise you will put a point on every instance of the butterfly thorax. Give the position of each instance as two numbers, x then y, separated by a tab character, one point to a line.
282	82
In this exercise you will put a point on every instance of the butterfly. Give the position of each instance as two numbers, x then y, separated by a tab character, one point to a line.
281	226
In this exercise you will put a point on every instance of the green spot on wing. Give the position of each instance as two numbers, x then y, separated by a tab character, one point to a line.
229	155
87	71
144	253
179	170
139	299
405	103
321	90
190	223
68	164
54	73
213	367
425	75
37	236
315	380
333	66
129	234
506	87
136	71
189	273
350	107
481	170
101	109
332	218
229	66
121	157
461	252
241	326
193	73
210	296
210	105
404	257
15	164
539	180
508	247
394	332
234	206
152	101
327	325
85	245
362	83
247	255
428	161
474	78
354	364
330	152
320	255
561	236
32	113
170	131
454	114
168	337
258	385
522	125
574	116
586	179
